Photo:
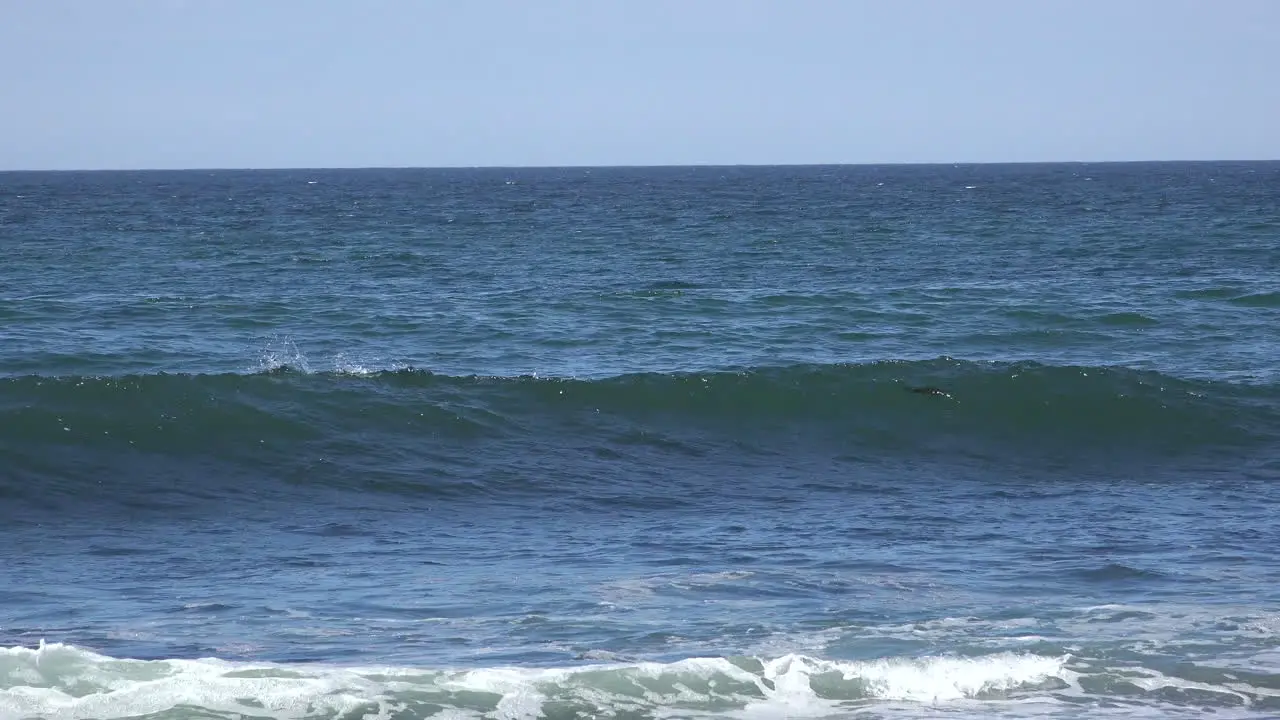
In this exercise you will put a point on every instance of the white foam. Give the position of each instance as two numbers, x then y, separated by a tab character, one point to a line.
62	682
928	680
59	682
955	678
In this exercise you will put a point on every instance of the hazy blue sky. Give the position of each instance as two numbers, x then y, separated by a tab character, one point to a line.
310	83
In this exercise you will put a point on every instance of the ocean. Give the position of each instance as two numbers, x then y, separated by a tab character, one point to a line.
694	442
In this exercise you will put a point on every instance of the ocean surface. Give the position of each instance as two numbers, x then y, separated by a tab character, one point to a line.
743	442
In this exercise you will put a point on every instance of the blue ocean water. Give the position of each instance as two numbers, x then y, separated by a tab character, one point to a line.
752	442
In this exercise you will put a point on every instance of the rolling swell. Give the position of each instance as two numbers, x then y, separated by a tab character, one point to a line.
418	432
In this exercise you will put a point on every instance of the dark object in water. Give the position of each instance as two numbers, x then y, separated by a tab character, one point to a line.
929	390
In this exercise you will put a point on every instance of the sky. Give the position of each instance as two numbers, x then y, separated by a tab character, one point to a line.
125	84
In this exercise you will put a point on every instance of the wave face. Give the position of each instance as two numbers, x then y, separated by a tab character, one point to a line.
414	431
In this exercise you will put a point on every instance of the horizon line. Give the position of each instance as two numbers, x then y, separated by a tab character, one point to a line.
281	168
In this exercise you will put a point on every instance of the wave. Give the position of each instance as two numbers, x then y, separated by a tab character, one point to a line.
944	394
390	428
65	681
62	681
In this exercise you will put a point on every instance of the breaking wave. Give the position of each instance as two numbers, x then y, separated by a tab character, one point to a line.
61	681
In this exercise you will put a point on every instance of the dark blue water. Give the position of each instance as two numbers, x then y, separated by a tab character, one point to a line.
870	442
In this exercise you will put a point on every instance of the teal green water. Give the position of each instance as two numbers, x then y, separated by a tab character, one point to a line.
947	441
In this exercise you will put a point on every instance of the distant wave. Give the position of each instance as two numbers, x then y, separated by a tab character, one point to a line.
916	396
388	428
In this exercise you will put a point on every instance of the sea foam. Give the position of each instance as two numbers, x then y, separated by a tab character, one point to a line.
58	681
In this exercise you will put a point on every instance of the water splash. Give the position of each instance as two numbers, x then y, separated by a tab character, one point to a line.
282	354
